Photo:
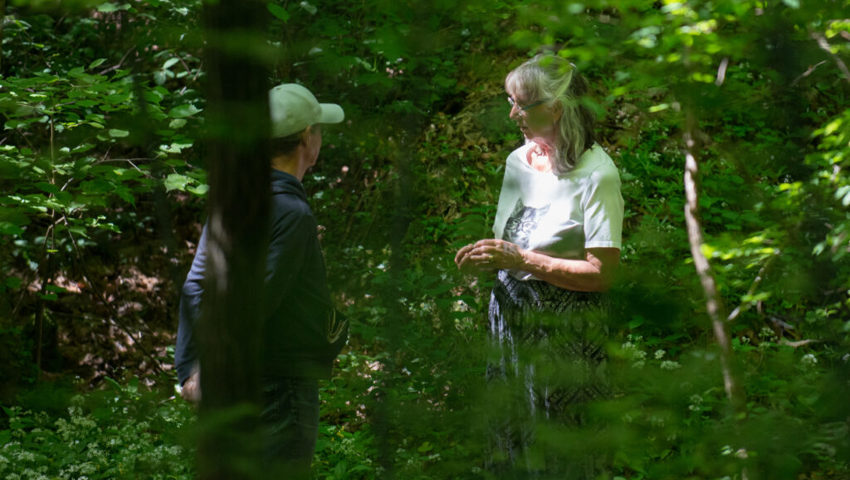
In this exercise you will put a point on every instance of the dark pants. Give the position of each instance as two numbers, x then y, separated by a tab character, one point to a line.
291	419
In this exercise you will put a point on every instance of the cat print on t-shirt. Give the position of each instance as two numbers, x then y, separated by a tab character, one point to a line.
522	222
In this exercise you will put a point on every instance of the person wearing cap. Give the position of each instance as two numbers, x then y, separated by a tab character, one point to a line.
302	332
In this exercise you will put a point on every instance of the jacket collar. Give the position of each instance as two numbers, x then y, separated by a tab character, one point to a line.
283	182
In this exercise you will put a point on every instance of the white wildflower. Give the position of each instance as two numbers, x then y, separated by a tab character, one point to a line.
809	360
670	365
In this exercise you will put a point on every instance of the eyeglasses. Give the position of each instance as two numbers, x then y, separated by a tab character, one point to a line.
525	108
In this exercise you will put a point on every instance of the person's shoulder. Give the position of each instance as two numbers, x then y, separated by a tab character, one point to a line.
519	152
290	206
597	164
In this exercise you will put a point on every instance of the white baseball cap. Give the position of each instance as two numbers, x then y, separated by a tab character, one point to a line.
293	108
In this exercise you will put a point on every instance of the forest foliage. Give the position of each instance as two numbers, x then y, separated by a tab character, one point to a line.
103	175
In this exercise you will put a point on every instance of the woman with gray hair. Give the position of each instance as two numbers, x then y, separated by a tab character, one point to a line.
556	247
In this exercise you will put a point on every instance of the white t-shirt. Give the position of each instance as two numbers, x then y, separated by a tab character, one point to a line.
561	215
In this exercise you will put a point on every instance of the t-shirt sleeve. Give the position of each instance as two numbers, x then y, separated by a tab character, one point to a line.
603	210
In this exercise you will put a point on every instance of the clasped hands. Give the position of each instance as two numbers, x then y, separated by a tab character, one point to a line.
489	254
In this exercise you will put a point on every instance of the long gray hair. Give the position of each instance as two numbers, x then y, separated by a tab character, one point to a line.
554	79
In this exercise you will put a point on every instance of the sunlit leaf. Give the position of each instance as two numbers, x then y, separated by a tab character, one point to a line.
183	111
175	181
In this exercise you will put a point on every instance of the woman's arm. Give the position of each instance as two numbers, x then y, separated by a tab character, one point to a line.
593	274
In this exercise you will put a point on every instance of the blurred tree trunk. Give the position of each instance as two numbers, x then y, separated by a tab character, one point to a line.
238	163
2	21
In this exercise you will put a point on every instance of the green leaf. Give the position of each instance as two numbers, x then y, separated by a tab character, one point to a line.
155	95
54	288
47	187
175	181
110	7
183	111
169	63
576	8
125	194
117	98
96	187
7	228
175	147
159	77
199	190
113	383
107	7
177	123
96	63
13	124
278	11
116	133
83	147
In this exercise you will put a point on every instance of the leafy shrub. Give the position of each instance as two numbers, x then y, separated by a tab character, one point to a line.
118	433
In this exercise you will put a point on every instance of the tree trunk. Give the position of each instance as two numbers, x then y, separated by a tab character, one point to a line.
230	329
2	21
695	237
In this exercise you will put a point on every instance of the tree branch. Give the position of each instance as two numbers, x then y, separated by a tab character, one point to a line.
808	72
744	306
695	238
824	45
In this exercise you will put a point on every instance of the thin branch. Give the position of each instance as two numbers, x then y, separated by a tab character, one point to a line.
183	62
745	305
824	45
117	160
120	62
194	78
808	72
130	161
139	169
798	343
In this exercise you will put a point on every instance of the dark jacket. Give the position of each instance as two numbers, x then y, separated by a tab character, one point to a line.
295	331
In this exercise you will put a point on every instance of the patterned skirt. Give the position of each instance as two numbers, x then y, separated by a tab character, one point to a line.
546	368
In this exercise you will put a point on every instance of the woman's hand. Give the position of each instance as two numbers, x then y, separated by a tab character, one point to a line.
489	254
593	274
